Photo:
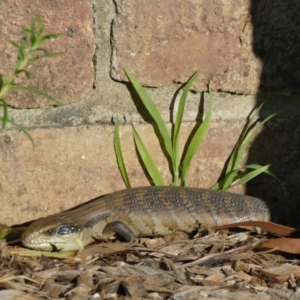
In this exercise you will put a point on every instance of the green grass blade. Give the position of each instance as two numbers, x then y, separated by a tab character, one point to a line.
147	159
119	155
230	178
248	134
5	114
21	53
150	106
268	172
234	159
32	33
27	74
232	163
244	146
14	44
196	141
257	110
45	51
226	182
256	167
250	175
35	91
244	177
53	36
238	151
54	54
216	186
19	127
177	125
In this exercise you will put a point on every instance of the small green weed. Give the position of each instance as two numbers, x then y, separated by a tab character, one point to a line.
29	50
235	175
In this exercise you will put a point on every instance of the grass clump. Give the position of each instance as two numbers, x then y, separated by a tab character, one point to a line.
179	166
233	173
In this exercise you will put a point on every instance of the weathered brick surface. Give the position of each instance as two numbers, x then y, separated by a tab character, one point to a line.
166	41
68	77
161	42
73	165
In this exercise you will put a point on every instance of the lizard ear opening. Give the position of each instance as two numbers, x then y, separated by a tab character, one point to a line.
66	229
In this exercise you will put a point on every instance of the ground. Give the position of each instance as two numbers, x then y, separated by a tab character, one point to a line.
214	265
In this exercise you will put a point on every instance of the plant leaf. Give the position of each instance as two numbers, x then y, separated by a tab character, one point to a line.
234	161
32	90
21	128
177	125
147	159
252	174
224	184
196	141
245	144
268	172
119	156
5	114
238	151
53	36
27	73
54	54
151	108
249	132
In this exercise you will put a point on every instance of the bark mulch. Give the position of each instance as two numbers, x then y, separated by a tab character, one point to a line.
211	265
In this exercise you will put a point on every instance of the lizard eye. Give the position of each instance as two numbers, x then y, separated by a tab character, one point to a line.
50	231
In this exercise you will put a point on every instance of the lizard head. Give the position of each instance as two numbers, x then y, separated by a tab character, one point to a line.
53	233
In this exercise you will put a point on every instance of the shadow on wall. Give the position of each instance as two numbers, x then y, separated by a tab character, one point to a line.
276	25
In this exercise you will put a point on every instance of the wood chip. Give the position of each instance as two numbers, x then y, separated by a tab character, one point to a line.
15	295
227	266
281	272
